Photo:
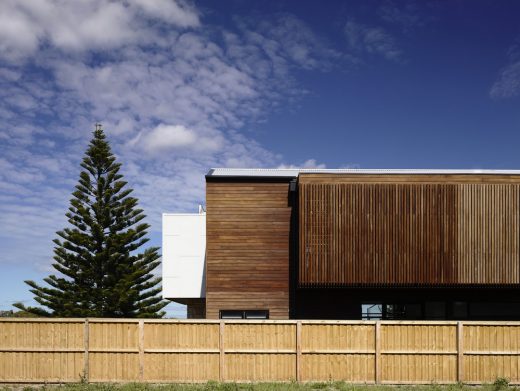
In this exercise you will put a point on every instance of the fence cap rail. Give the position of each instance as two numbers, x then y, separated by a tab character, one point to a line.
264	321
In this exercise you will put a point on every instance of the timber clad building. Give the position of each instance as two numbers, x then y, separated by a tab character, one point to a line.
349	244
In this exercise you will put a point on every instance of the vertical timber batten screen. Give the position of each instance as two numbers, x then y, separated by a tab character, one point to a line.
155	351
425	231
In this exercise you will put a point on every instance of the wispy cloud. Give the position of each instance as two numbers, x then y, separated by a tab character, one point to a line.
406	14
310	163
373	40
175	97
507	84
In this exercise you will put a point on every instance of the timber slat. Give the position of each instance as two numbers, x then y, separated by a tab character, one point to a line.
409	230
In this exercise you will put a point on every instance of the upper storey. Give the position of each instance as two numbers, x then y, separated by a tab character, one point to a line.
423	229
361	227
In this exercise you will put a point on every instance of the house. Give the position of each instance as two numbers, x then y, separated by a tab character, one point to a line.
349	244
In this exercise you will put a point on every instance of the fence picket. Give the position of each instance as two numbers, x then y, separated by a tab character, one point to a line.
151	350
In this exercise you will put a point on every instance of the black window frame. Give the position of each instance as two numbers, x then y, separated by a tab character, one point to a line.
243	314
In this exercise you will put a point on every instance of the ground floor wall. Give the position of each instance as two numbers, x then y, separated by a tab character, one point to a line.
196	309
275	303
408	303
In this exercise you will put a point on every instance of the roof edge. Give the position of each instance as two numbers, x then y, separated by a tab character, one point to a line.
295	172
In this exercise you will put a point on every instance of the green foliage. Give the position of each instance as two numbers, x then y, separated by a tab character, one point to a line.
101	271
500	383
229	387
16	314
319	386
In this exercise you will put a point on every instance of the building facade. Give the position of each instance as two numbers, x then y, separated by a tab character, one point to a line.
360	244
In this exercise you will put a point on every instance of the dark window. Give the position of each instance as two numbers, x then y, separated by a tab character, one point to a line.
435	310
494	310
244	314
394	311
231	314
391	311
413	311
460	310
257	314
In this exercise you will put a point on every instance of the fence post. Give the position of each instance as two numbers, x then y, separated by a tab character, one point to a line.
460	351
377	359
141	350
221	354
86	343
299	351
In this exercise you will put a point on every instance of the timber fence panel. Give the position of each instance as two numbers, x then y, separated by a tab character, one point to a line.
418	353
157	350
491	350
113	350
260	351
338	351
41	351
181	352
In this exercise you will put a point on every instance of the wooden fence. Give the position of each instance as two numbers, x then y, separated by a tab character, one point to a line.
114	350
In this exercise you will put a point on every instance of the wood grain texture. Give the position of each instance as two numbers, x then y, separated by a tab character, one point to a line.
175	351
42	351
415	231
247	262
409	178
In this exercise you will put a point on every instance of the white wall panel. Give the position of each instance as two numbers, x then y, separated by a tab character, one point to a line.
183	255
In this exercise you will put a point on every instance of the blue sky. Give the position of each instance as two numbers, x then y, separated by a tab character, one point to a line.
182	86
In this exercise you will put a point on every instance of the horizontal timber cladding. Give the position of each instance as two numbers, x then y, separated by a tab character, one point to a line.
409	230
247	254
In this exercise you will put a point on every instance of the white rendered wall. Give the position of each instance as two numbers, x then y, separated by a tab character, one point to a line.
183	255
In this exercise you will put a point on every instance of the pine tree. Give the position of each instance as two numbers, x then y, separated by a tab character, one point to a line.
102	272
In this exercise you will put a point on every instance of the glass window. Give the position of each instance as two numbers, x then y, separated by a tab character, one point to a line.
494	310
231	314
435	310
371	311
394	311
244	314
413	311
460	310
257	314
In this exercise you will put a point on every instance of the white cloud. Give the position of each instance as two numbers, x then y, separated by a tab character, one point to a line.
174	12
372	40
508	83
167	137
310	163
82	25
174	102
16	35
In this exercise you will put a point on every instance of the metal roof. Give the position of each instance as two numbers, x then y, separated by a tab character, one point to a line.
294	172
